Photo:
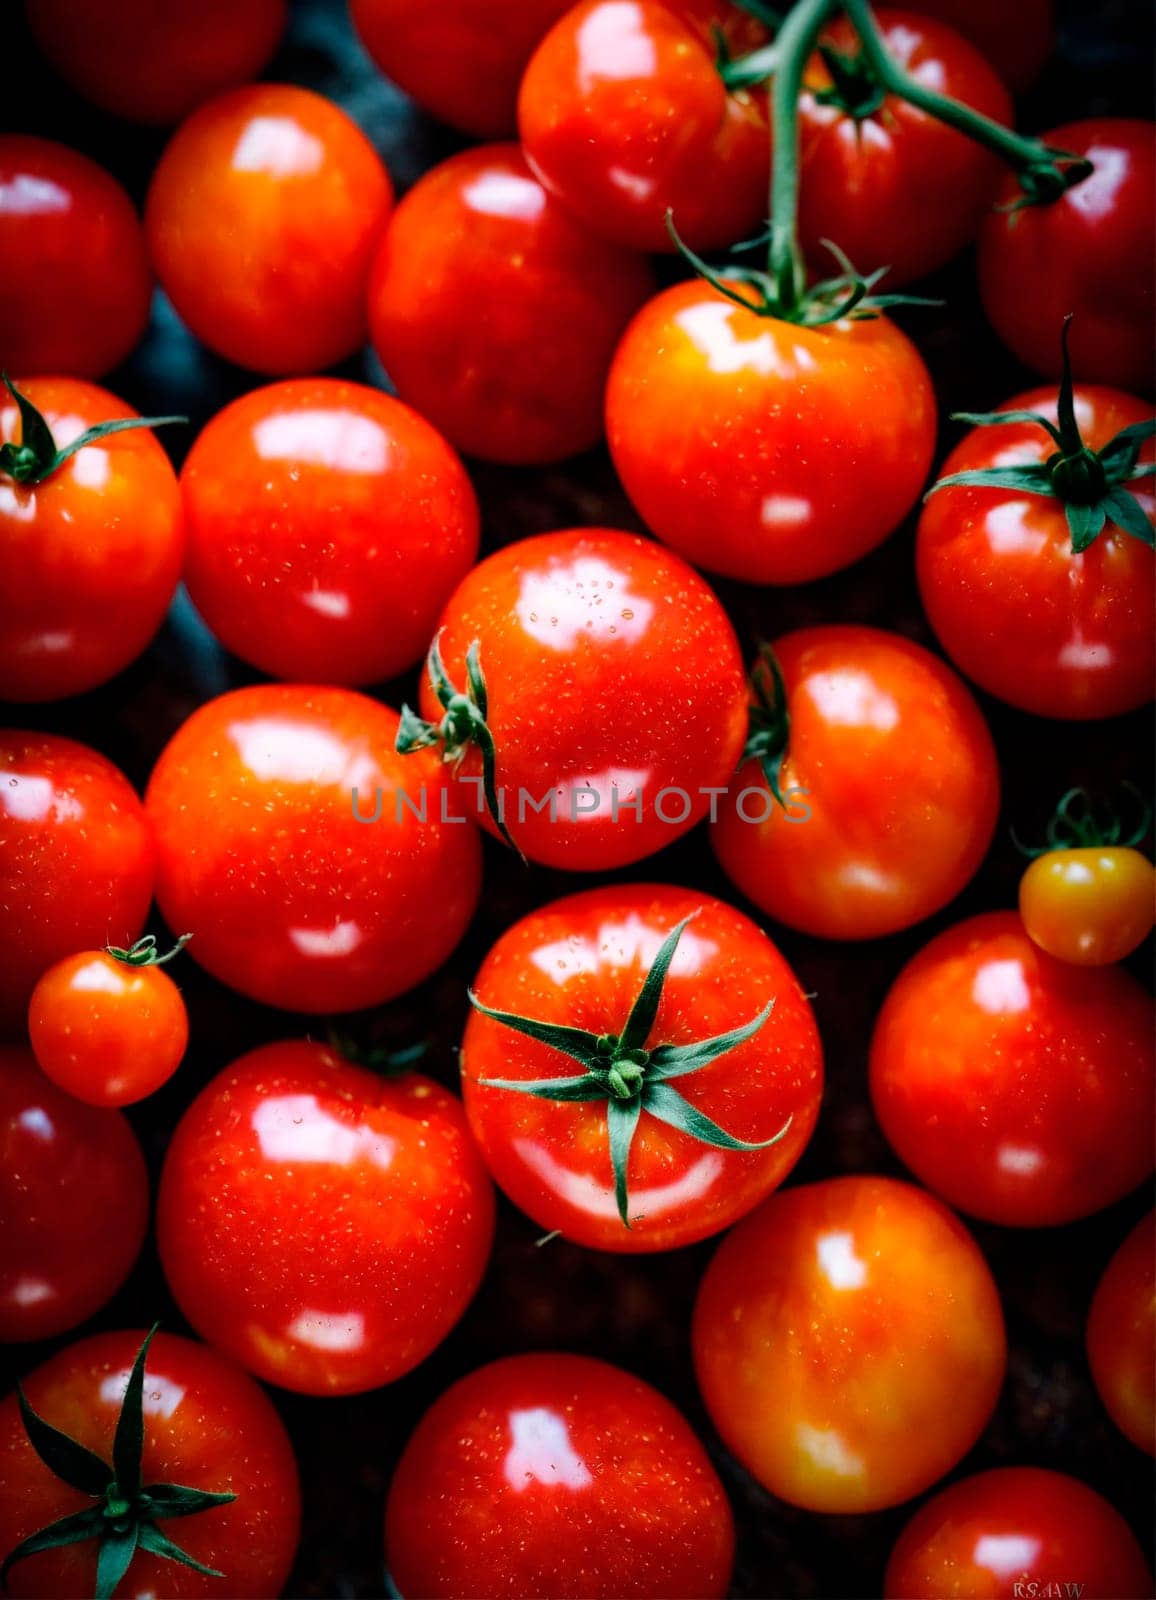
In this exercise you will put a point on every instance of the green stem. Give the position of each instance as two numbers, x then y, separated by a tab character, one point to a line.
793	48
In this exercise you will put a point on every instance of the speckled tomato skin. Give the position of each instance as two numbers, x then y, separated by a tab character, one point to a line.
1121	1336
323	1225
556	1475
581	961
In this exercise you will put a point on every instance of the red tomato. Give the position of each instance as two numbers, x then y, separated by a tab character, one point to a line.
207	1427
1091	906
580	963
324	1226
261	803
849	1343
761	449
74	273
891	786
76	860
262	219
559	1475
155	63
90	554
1013	1532
1088	253
327	525
1122	1336
74	1204
1017	41
614	685
1018	1087
522	382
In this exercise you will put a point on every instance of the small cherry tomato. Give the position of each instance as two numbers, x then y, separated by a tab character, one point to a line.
1016	1086
75	282
262	219
74	1204
1090	907
341	1221
709	1094
849	1343
1017	42
524	382
1122	1336
762	449
327	525
556	1475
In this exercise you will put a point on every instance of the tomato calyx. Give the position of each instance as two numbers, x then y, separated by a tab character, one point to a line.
144	952
630	1076
855	87
381	1059
1077	824
36	457
769	721
125	1513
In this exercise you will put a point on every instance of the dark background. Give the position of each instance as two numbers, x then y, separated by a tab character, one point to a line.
630	1310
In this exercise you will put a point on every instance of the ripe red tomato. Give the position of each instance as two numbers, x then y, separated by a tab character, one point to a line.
523	382
262	804
207	1428
560	1475
1012	1532
76	860
1088	253
614	690
324	1226
849	1343
74	1204
580	963
262	219
1016	41
762	449
327	524
890	783
1122	1336
90	553
1016	1086
74	272
1090	907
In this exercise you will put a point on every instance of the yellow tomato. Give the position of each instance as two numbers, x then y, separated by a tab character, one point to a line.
1089	906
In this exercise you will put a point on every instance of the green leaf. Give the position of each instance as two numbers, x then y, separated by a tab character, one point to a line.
414	733
114	1558
574	1042
665	1103
676	1060
1030	478
101	430
176	1500
987	419
1119	455
35	434
622	1123
1129	515
156	1543
476	679
1085	523
128	1442
484	740
587	1087
645	1008
74	1463
438	676
81	1525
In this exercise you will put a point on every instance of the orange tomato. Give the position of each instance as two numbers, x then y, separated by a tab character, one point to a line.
1089	906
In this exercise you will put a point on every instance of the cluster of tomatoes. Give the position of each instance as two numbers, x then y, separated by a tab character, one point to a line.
641	1069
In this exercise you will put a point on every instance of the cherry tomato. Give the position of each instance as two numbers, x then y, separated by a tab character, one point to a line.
761	449
262	803
580	963
327	525
1088	253
322	1225
524	381
90	553
74	1203
1122	1336
890	783
76	860
262	219
849	1343
207	1427
155	63
74	272
614	685
1090	907
557	1475
1012	1532
1016	41
1016	1086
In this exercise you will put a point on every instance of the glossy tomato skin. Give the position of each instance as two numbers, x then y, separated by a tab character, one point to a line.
581	962
74	1203
1013	1532
849	1343
90	556
1121	1336
1016	42
327	524
206	1426
522	383
763	450
262	857
76	860
1086	253
1048	630
556	1475
891	782
75	280
610	666
324	1226
1018	1087
262	219
1092	906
